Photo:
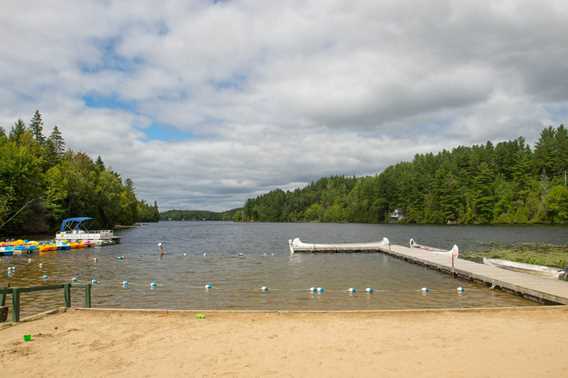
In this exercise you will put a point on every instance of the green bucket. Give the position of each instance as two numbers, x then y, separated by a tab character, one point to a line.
27	338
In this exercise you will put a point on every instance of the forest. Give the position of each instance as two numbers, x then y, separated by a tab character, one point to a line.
42	182
507	183
197	215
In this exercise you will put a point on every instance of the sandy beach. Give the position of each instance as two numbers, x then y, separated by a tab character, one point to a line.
522	342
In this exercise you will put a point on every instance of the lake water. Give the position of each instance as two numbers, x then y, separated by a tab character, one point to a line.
266	261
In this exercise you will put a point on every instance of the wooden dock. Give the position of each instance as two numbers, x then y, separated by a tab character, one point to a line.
536	288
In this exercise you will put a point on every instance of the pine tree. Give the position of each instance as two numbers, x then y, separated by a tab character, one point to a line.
36	127
57	141
99	164
17	131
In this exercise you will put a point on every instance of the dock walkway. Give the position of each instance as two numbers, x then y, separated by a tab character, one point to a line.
533	287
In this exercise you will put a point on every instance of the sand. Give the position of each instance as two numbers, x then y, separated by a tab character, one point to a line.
523	342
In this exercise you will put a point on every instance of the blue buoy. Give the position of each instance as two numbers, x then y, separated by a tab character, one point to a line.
44	277
352	290
460	289
125	284
369	290
94	281
153	285
320	290
264	289
209	286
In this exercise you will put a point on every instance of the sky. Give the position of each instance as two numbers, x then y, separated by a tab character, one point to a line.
207	103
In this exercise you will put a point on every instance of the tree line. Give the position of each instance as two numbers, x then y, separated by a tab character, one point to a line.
42	182
506	183
196	215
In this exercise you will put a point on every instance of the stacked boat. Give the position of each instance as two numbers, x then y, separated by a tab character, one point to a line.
26	247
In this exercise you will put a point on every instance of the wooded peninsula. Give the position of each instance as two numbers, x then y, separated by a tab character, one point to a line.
506	183
42	182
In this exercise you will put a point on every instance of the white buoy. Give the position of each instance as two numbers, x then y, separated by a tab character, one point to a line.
44	277
460	289
94	281
204	254
352	290
209	286
369	290
40	265
241	254
264	254
425	290
29	260
74	279
320	290
94	259
125	284
313	289
185	254
153	285
264	289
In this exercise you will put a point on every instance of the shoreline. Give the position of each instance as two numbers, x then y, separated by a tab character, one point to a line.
472	342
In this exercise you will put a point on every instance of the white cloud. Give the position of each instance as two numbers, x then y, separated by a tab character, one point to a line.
280	93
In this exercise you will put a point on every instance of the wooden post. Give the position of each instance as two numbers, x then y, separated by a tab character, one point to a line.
67	294
2	299
15	305
88	295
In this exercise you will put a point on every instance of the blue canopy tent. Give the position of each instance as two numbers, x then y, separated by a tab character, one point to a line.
73	223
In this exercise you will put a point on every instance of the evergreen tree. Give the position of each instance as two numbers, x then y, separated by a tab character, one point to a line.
18	131
36	127
57	141
99	164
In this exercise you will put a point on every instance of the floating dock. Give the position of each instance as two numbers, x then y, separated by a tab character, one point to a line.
536	288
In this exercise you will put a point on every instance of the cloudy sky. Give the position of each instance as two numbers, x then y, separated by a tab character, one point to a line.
206	103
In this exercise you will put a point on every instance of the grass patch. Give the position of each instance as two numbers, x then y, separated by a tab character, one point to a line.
529	253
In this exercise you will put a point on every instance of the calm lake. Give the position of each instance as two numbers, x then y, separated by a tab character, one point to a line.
266	261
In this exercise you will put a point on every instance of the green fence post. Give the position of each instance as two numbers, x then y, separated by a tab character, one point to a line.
88	295
67	294
15	305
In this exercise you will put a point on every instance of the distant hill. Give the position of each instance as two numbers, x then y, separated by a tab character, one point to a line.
200	215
